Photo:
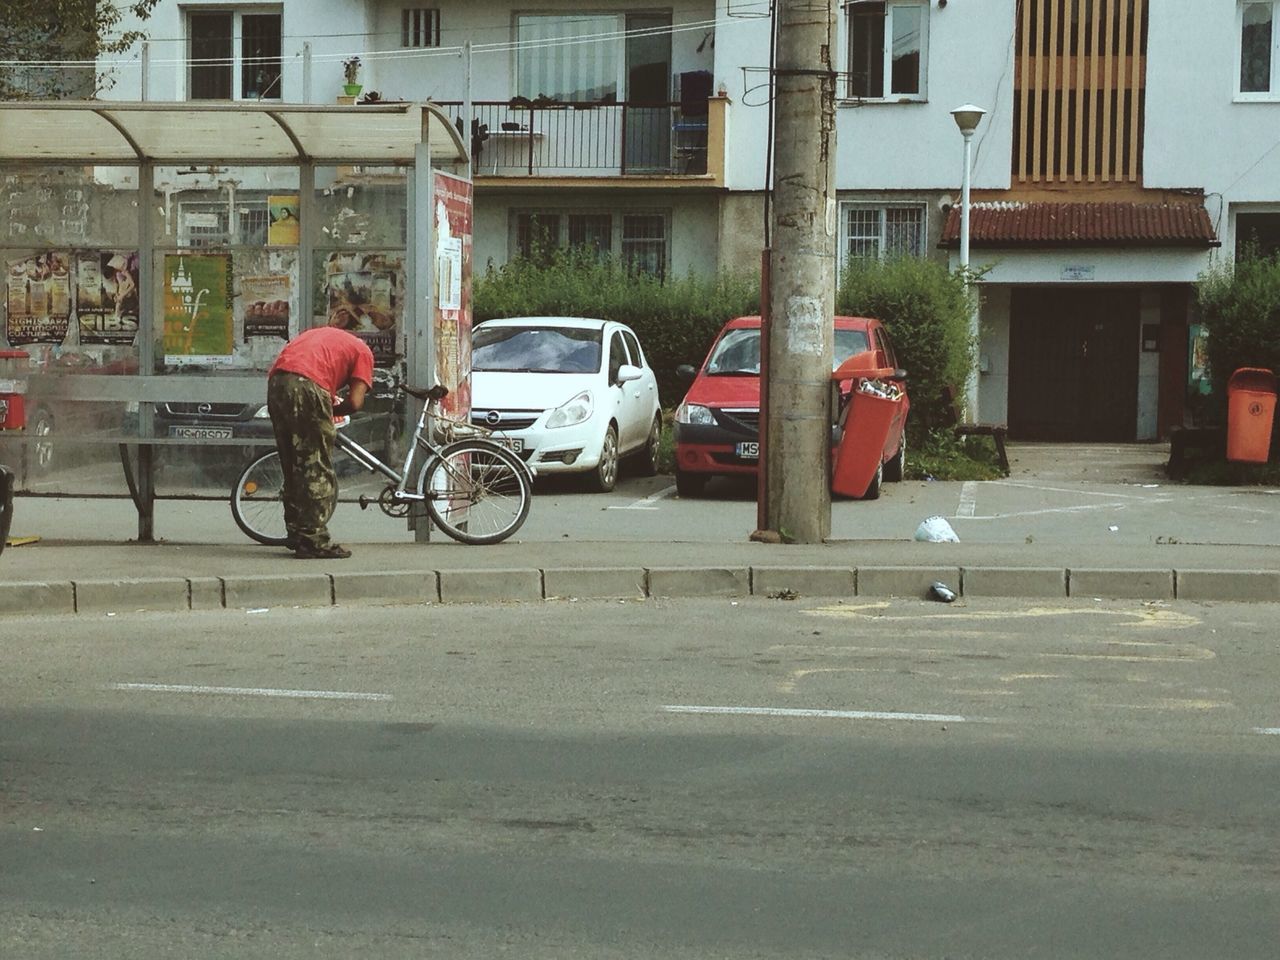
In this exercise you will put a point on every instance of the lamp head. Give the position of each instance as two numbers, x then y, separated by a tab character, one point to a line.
968	117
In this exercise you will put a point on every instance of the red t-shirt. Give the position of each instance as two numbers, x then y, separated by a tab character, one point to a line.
328	356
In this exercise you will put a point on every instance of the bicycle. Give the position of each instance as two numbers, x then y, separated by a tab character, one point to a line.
475	489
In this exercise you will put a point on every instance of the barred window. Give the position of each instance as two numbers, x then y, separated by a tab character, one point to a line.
644	243
420	27
883	231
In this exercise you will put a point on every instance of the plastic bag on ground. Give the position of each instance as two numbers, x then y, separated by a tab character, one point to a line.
936	530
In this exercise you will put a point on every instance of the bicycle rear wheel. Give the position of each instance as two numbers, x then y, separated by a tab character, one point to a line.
257	501
476	491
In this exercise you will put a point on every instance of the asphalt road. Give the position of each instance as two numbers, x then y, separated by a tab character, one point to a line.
647	779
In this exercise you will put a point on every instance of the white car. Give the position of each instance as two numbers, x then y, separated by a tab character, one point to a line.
571	395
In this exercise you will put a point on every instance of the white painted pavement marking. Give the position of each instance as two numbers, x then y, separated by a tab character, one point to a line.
1270	731
968	499
833	714
251	691
647	503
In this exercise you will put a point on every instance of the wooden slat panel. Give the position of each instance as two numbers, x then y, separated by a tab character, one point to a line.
1051	158
1093	92
1037	89
1122	91
1025	53
1135	92
1078	94
1106	50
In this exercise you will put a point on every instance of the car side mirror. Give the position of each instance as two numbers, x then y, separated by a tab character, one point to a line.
686	374
628	372
898	376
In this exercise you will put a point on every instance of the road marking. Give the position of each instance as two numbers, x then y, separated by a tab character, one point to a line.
648	502
251	691
1146	617
968	500
1080	493
831	714
1269	731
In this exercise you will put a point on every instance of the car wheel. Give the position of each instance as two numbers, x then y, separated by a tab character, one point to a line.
873	490
896	468
605	476
40	452
690	484
646	459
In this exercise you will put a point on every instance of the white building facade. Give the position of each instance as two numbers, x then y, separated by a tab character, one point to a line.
1126	145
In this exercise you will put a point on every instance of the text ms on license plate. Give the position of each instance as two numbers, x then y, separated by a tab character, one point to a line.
201	433
514	444
749	450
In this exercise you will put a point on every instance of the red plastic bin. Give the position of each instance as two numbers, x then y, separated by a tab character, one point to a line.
1251	405
866	430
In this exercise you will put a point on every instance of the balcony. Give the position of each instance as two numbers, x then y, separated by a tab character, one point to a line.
521	138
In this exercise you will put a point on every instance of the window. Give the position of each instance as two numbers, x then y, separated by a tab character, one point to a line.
641	238
633	348
207	224
869	230
556	59
644	243
233	56
887	49
420	27
1257	234
1258	39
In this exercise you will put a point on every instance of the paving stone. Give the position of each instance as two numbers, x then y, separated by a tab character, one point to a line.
1246	585
412	586
602	583
804	581
37	598
109	596
481	586
278	590
904	581
1049	582
1121	584
699	581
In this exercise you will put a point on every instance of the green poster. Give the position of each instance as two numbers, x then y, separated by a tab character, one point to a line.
197	308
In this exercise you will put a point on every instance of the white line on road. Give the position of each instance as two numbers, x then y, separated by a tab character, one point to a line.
834	714
968	499
648	502
1271	731
251	691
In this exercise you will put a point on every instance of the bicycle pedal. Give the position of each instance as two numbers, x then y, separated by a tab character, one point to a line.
364	502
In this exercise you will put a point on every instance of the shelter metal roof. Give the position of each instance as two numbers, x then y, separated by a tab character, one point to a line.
1038	224
177	132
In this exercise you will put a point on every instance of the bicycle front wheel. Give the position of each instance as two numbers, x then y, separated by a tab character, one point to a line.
476	491
257	501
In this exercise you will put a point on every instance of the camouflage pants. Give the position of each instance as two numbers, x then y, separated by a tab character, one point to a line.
302	419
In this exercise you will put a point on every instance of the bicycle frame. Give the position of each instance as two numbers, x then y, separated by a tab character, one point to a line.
374	465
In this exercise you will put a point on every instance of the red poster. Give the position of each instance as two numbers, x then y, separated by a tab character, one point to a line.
451	221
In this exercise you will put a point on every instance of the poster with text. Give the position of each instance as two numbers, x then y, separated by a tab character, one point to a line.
364	294
197	309
451	313
282	225
39	299
266	306
107	296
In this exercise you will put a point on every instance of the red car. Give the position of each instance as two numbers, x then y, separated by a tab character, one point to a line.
717	425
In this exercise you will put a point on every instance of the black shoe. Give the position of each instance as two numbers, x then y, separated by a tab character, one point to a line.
333	551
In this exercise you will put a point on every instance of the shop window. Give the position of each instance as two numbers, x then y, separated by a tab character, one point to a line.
233	55
888	43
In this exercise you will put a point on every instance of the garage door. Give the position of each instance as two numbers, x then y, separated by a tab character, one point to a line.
1073	365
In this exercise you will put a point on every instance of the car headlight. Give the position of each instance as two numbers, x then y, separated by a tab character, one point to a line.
262	413
573	412
692	413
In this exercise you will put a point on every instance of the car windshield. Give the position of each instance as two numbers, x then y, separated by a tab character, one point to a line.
535	349
737	353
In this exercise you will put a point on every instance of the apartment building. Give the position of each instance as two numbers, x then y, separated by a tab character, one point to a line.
1126	145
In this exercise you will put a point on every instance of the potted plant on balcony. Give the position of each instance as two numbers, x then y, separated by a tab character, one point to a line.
351	74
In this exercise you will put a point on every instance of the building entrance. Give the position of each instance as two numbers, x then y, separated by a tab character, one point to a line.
1073	364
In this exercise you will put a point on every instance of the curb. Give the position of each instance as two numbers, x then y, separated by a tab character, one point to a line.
523	585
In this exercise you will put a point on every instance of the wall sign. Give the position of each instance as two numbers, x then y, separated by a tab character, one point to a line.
1077	273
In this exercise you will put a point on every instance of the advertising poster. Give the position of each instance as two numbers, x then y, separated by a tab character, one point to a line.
282	226
197	309
364	295
451	203
266	306
107	296
39	299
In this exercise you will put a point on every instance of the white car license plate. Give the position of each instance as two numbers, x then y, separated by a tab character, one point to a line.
749	450
514	444
201	433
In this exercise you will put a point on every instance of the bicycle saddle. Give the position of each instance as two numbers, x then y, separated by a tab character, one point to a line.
438	392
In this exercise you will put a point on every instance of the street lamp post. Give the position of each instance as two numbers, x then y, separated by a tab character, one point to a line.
967	119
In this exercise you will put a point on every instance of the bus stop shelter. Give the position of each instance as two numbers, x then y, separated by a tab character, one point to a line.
158	255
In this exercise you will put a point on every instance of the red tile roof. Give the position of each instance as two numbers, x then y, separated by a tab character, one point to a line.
1014	224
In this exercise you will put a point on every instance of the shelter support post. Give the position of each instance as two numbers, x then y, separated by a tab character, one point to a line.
420	357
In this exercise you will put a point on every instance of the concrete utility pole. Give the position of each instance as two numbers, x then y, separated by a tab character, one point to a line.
797	449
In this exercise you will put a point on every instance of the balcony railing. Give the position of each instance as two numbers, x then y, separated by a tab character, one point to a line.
522	138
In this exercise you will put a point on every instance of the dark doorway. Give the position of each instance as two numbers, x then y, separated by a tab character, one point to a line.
1073	365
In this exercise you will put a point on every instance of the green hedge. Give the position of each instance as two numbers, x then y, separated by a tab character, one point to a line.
926	309
1240	304
676	320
